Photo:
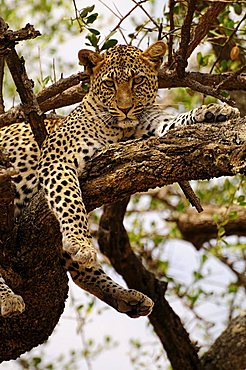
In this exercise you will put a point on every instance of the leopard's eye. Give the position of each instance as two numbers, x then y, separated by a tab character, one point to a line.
138	80
108	83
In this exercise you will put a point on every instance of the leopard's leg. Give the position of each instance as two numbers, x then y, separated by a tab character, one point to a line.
157	123
10	303
211	113
97	282
61	187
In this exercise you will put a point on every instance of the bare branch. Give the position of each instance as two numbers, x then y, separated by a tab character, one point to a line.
229	349
207	151
9	36
206	22
23	84
60	95
199	229
190	195
3	28
114	243
118	171
185	39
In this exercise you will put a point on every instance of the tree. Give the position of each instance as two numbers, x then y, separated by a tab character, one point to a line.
210	151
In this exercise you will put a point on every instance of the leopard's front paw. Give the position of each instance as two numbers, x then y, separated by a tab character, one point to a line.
11	305
81	252
213	113
135	304
85	256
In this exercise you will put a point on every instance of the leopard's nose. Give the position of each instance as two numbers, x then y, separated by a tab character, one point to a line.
126	110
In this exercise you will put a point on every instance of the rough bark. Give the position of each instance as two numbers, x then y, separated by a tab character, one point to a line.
201	228
29	259
193	153
114	243
229	350
67	91
24	85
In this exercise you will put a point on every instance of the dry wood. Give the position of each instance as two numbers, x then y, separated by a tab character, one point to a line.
30	262
67	91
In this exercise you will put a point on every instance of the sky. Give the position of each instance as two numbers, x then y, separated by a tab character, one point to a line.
182	255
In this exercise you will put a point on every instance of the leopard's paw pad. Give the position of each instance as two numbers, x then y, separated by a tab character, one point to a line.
135	304
214	113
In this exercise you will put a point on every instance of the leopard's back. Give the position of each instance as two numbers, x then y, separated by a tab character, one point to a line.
18	143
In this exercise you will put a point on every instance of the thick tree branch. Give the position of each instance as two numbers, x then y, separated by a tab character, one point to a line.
200	152
7	195
199	229
114	243
30	107
67	91
229	350
29	259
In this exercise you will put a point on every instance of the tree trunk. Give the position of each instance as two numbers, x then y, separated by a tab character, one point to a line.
30	254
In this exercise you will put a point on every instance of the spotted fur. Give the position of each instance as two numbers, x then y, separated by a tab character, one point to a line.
120	105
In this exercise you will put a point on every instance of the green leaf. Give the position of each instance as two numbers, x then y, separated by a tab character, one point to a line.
232	288
241	200
221	231
204	258
92	18
93	40
197	275
199	58
232	215
180	206
95	32
49	366
237	8
163	266
85	86
86	11
36	360
79	308
109	44
90	307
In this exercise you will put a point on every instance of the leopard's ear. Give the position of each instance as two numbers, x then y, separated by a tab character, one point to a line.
154	54
89	59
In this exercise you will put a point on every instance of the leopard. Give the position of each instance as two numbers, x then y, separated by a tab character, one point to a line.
120	106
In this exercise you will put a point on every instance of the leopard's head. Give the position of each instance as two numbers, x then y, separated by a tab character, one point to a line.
124	79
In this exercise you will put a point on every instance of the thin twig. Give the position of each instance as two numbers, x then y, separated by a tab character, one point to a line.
148	15
190	195
208	90
231	77
127	15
